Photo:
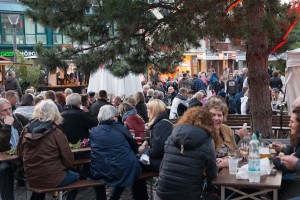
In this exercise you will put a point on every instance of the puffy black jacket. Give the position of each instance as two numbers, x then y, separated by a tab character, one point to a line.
188	152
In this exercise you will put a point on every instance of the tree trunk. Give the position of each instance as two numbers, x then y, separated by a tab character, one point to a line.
258	78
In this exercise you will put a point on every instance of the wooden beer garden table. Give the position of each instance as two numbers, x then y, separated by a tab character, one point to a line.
268	183
11	158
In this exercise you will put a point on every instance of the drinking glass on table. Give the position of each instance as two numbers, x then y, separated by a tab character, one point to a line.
244	151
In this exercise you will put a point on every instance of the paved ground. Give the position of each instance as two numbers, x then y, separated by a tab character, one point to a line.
83	194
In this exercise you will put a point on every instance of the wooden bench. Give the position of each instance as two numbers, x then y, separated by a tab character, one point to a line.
279	122
81	161
62	190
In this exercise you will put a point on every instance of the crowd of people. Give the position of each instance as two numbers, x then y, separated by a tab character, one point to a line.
186	154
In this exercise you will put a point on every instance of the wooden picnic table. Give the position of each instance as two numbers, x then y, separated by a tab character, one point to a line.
268	183
9	158
81	150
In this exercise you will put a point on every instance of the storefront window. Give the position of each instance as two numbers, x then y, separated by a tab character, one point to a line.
67	40
42	38
7	30
40	28
30	39
57	39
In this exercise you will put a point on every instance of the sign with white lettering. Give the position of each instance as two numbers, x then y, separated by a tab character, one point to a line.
25	53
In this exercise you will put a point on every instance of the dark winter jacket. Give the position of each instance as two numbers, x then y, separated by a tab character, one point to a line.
46	154
218	86
141	109
77	123
112	158
237	99
288	151
160	130
275	82
198	85
194	102
189	152
5	131
95	107
13	84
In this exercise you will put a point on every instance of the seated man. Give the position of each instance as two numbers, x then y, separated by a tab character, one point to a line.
10	129
181	98
77	123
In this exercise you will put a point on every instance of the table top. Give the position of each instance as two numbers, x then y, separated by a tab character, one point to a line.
4	157
81	150
229	180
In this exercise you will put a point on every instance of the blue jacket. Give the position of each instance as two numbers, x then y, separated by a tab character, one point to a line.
112	159
198	85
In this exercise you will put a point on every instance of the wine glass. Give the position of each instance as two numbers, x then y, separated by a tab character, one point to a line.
244	151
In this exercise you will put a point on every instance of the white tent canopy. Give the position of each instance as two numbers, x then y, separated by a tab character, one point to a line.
102	79
292	76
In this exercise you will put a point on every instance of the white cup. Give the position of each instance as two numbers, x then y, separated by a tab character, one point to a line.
233	165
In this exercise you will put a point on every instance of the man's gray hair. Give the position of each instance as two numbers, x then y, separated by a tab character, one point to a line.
107	112
73	99
68	91
4	101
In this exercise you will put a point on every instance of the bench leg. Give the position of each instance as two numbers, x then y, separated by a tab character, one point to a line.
151	189
60	195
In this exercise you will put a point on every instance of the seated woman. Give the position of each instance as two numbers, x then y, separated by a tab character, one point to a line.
45	151
132	120
189	151
160	129
27	106
294	148
228	140
113	159
196	100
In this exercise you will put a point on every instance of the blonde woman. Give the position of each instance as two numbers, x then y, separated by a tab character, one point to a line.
196	100
228	140
160	129
45	151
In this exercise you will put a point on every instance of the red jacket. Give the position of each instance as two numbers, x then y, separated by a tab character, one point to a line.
137	124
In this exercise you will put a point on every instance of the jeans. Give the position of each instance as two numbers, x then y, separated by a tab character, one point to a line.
69	178
6	181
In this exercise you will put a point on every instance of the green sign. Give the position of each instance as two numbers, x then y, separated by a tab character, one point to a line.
7	53
25	53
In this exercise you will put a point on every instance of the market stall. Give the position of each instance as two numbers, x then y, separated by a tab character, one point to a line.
102	79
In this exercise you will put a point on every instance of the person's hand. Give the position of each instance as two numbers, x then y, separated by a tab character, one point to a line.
242	133
143	147
9	120
84	109
222	162
277	146
289	161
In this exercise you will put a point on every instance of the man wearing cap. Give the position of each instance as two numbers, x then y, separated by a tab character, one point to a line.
91	98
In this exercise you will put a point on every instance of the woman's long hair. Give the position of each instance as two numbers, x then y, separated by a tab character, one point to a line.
201	118
295	138
155	106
